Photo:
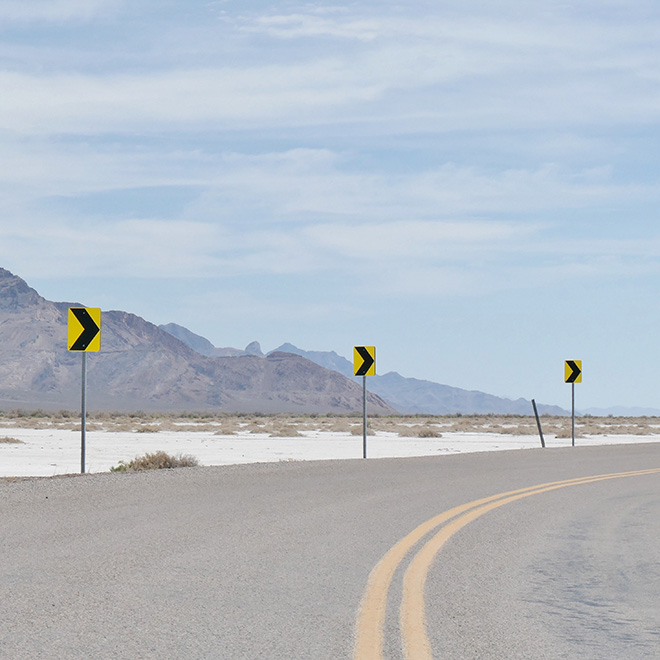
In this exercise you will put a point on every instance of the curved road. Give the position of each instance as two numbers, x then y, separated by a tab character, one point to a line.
273	560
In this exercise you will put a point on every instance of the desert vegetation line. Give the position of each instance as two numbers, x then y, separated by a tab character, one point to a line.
293	425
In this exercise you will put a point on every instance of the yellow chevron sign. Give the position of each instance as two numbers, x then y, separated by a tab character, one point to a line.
573	371
364	360
84	329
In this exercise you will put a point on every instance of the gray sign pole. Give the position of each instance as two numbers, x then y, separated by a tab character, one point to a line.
83	413
364	416
538	423
573	414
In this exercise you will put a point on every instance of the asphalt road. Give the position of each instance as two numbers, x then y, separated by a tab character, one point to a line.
272	560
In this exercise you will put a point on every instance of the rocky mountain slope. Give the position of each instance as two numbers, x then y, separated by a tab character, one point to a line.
142	367
413	396
406	395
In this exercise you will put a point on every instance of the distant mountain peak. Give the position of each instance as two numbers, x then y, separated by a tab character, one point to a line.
254	348
15	293
197	343
287	348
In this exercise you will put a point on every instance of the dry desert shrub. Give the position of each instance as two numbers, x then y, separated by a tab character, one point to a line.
163	425
65	414
640	430
518	430
102	416
191	428
359	430
30	423
158	460
285	431
256	428
228	426
567	435
645	426
340	426
425	431
225	430
590	427
402	430
560	429
121	428
428	429
324	421
386	424
630	430
463	426
89	426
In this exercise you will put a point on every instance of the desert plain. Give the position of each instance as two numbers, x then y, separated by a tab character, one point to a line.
44	444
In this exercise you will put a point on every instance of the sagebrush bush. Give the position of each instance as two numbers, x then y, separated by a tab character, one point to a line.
428	432
359	430
10	441
225	431
287	431
520	430
157	460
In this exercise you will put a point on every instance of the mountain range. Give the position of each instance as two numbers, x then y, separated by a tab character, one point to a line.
411	395
406	395
146	367
142	367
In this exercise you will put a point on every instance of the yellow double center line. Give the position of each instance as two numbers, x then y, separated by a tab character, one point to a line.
369	633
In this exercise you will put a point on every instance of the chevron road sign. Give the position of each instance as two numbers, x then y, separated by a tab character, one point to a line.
364	360
572	375
573	371
84	336
84	329
364	364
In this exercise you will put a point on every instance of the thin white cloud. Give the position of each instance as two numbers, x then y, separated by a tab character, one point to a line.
389	260
270	95
306	210
431	73
247	304
307	184
294	26
427	240
475	269
303	184
134	248
55	11
40	169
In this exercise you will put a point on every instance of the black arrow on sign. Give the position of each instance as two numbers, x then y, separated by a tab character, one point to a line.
90	329
575	371
367	361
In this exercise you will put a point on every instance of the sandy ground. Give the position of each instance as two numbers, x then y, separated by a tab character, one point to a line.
48	452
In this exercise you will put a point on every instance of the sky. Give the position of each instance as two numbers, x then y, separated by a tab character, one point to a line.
471	187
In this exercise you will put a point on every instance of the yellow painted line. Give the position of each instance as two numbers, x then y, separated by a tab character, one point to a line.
369	632
416	644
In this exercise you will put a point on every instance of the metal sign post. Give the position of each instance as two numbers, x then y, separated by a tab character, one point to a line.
83	413
538	423
364	364
84	336
572	414
572	375
364	416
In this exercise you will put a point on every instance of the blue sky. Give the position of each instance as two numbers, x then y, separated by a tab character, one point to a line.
472	187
